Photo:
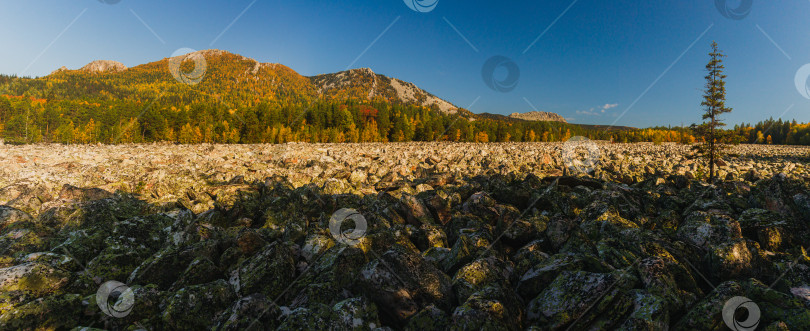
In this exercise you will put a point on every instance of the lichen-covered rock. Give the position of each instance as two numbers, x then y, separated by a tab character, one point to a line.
313	318
436	255
415	211
166	266
480	274
491	308
197	306
429	318
524	230
253	312
401	282
470	245
658	274
315	245
583	297
706	229
355	314
542	274
649	313
774	306
731	260
766	227
600	221
428	236
32	278
9	215
49	312
268	272
200	271
20	238
329	277
528	256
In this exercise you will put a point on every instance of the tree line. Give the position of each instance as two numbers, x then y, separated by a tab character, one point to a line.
26	119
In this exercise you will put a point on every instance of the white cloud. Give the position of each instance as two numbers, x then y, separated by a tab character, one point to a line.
599	110
588	112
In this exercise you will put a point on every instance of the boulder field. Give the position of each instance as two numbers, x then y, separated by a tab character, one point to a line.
413	236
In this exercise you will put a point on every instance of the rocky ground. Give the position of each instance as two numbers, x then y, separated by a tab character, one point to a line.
415	236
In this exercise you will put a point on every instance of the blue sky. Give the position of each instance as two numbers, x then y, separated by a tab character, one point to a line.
599	60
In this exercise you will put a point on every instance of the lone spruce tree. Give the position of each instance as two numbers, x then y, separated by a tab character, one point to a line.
714	104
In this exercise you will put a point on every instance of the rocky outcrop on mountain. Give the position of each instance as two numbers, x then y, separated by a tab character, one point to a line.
61	69
365	84
102	66
541	116
454	237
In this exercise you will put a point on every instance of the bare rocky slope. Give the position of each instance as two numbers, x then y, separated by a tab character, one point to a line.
429	236
365	84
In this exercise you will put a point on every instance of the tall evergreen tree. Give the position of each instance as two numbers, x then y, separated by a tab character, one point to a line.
714	104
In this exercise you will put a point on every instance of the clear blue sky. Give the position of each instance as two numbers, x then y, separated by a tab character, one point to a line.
598	53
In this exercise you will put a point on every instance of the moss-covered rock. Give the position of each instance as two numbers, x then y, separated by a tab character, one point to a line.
33	278
197	306
200	271
401	282
479	274
491	308
649	313
315	245
774	306
9	215
316	317
470	245
166	266
583	297
355	314
46	313
541	275
268	272
528	256
770	229
253	312
429	318
705	229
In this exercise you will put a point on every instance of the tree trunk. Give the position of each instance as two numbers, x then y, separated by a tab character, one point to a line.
711	153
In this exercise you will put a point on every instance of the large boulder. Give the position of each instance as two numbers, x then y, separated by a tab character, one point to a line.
197	306
589	300
401	282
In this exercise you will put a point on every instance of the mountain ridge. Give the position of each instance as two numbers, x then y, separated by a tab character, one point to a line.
361	83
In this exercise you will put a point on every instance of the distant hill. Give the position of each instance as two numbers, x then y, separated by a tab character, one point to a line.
538	116
590	127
